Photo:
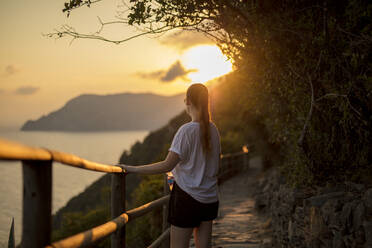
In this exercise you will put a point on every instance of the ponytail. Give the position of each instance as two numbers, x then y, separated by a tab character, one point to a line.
198	95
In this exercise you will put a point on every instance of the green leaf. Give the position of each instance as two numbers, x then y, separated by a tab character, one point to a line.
11	242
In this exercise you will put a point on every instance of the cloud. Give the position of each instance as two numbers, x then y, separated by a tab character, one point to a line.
26	90
10	70
183	40
151	75
175	71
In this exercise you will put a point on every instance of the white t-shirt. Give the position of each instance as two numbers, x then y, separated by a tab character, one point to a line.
196	174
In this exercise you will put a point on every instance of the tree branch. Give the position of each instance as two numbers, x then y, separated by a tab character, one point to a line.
69	31
73	4
338	95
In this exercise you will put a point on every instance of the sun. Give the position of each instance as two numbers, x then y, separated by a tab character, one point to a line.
207	61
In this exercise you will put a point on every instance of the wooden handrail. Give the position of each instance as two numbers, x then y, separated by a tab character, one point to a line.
38	175
90	236
160	239
231	164
227	155
75	161
10	150
139	211
87	238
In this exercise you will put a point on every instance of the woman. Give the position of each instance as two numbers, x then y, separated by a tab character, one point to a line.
193	159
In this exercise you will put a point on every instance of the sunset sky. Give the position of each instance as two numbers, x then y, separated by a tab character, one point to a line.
39	74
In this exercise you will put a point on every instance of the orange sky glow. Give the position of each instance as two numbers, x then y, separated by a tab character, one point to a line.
39	74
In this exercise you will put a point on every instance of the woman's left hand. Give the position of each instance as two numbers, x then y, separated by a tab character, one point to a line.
127	168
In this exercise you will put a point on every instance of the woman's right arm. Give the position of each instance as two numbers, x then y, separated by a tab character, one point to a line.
166	165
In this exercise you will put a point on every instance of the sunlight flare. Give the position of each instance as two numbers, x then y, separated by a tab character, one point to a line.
208	61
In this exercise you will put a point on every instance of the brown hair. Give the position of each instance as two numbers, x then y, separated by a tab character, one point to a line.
197	94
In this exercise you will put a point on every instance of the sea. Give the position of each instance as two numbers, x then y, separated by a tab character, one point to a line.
103	147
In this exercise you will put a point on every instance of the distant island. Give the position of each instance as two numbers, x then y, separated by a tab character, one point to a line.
124	111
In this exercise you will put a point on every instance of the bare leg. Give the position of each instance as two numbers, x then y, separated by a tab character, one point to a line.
196	238
180	237
203	235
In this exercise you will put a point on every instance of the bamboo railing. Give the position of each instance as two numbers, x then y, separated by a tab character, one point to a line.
37	196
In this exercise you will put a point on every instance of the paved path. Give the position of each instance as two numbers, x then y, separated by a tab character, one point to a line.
238	224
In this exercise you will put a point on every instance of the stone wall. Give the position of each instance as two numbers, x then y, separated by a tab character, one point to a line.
338	217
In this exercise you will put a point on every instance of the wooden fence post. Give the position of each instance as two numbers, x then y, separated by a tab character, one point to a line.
166	243
246	160
118	207
37	203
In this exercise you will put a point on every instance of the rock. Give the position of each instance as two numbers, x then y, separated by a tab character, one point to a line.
358	216
367	198
326	242
328	190
335	223
318	201
338	242
315	243
355	187
291	226
330	208
299	195
317	225
367	225
349	241
262	182
267	187
360	237
346	217
261	202
299	213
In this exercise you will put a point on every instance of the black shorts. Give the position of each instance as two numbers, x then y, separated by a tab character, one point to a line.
185	211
